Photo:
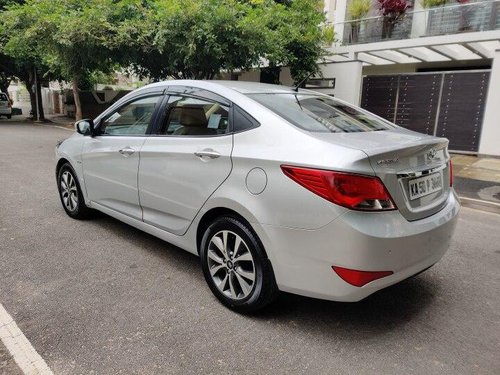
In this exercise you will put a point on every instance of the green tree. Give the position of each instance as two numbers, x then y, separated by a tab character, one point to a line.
23	68
199	38
74	38
297	37
163	38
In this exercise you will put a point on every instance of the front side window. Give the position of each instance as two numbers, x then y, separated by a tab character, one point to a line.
189	116
321	114
131	119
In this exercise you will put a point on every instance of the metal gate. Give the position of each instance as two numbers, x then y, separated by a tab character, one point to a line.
446	104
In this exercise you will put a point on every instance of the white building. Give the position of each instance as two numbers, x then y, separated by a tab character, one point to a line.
436	71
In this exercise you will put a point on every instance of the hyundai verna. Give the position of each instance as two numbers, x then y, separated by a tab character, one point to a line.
274	188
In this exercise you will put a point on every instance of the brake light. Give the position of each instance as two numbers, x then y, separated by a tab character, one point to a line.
354	191
359	278
451	174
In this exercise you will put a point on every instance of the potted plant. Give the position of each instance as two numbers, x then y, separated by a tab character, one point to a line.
357	10
433	3
393	11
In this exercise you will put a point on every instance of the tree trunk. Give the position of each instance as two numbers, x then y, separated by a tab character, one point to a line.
29	82
41	116
34	114
76	96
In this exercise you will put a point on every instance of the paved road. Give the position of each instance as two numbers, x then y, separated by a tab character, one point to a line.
101	297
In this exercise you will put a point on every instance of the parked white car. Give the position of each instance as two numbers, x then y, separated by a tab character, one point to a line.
275	189
5	106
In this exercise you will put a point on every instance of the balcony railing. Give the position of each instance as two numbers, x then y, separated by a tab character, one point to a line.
452	19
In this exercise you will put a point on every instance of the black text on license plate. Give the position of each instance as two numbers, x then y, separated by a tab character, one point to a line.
425	185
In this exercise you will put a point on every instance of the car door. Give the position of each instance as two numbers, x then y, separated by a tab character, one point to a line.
111	158
185	161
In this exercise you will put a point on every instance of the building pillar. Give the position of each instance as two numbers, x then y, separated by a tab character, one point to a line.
339	16
490	132
419	20
348	78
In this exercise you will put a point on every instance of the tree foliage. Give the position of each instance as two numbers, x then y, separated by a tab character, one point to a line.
199	38
163	38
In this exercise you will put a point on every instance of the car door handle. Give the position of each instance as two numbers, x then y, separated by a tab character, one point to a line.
207	153
127	151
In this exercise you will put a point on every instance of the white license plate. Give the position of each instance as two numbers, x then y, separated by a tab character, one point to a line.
425	185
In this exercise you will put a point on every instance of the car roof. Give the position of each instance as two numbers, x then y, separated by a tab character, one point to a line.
246	87
243	87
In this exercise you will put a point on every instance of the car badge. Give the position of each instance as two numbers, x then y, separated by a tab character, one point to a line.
431	154
388	161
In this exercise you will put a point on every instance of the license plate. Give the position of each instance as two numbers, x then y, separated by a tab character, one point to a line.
425	185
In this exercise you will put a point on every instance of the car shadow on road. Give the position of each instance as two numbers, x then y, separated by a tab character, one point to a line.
379	313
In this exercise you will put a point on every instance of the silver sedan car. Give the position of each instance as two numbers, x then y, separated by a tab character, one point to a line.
274	188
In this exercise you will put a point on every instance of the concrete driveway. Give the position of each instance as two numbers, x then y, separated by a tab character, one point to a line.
99	297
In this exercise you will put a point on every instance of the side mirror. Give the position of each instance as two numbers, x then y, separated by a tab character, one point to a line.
85	127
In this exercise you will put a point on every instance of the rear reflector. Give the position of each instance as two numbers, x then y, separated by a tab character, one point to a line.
359	278
358	192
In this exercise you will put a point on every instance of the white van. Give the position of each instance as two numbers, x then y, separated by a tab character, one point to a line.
5	106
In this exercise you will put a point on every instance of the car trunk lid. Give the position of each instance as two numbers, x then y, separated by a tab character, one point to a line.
414	167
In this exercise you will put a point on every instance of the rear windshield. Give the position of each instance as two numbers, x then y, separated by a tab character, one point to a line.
3	97
321	114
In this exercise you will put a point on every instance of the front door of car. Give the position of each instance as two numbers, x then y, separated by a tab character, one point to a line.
111	158
184	162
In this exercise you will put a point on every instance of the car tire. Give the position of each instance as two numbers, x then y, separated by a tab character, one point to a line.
236	267
70	193
9	117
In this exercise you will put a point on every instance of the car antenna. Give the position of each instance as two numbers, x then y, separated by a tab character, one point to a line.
301	82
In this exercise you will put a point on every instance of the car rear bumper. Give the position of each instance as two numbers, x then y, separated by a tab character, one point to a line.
5	111
385	241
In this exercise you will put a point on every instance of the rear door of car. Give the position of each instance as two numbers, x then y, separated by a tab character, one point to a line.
186	158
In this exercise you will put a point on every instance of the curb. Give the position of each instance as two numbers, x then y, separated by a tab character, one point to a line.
479	204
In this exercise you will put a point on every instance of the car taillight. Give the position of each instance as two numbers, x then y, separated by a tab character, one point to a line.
451	174
359	278
354	191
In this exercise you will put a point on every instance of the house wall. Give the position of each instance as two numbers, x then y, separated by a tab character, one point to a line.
490	136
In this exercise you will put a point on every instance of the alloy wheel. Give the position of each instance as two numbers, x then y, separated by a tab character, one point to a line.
231	265
69	191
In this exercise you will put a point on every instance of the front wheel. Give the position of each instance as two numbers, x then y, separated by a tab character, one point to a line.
71	193
236	267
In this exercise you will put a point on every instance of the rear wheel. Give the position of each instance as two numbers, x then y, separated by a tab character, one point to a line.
9	117
71	193
236	267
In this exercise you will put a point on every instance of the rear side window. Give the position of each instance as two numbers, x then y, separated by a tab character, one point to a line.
189	116
242	120
3	98
321	114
